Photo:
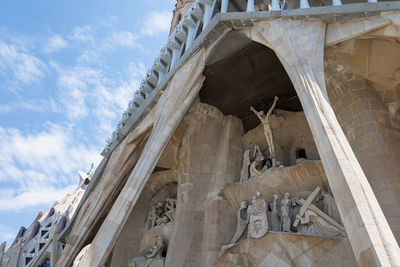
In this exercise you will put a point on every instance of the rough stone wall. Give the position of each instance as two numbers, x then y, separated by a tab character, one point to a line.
284	250
373	133
209	160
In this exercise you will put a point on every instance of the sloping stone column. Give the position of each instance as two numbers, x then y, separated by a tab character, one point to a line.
300	46
171	108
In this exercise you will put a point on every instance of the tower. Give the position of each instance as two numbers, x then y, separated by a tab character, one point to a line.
181	8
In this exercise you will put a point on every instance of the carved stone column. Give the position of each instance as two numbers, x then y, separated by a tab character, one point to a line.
300	46
171	108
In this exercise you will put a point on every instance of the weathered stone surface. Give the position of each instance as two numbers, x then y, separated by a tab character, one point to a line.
284	249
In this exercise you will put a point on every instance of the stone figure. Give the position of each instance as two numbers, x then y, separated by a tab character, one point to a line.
161	213
313	224
264	118
327	204
313	221
153	257
244	175
242	221
258	221
163	220
153	217
285	212
306	204
275	215
170	208
258	163
157	249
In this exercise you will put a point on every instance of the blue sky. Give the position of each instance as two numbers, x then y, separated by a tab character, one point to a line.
68	69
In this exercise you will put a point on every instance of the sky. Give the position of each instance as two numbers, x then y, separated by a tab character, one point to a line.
68	69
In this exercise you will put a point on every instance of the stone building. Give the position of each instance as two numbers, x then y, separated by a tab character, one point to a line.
38	244
265	134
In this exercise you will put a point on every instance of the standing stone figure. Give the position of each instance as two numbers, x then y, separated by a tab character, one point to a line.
242	221
285	212
264	118
170	207
258	223
275	219
152	218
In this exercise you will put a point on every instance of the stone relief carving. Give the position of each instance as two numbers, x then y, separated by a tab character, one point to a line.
156	250
254	163
258	221
295	215
264	118
153	258
258	163
161	213
313	221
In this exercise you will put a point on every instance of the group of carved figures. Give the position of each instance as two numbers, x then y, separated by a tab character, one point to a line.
154	256
254	162
161	213
309	217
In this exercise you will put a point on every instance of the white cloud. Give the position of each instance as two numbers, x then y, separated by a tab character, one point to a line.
55	43
83	34
156	23
136	70
109	21
120	39
39	168
27	69
36	105
44	196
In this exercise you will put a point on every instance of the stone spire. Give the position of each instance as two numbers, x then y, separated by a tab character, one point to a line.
180	9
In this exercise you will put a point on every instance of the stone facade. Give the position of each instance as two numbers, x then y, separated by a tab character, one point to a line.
37	245
270	140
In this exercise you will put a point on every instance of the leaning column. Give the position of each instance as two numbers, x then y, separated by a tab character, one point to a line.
172	106
300	46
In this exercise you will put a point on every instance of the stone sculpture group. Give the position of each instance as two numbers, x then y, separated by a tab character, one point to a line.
295	215
254	161
161	213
